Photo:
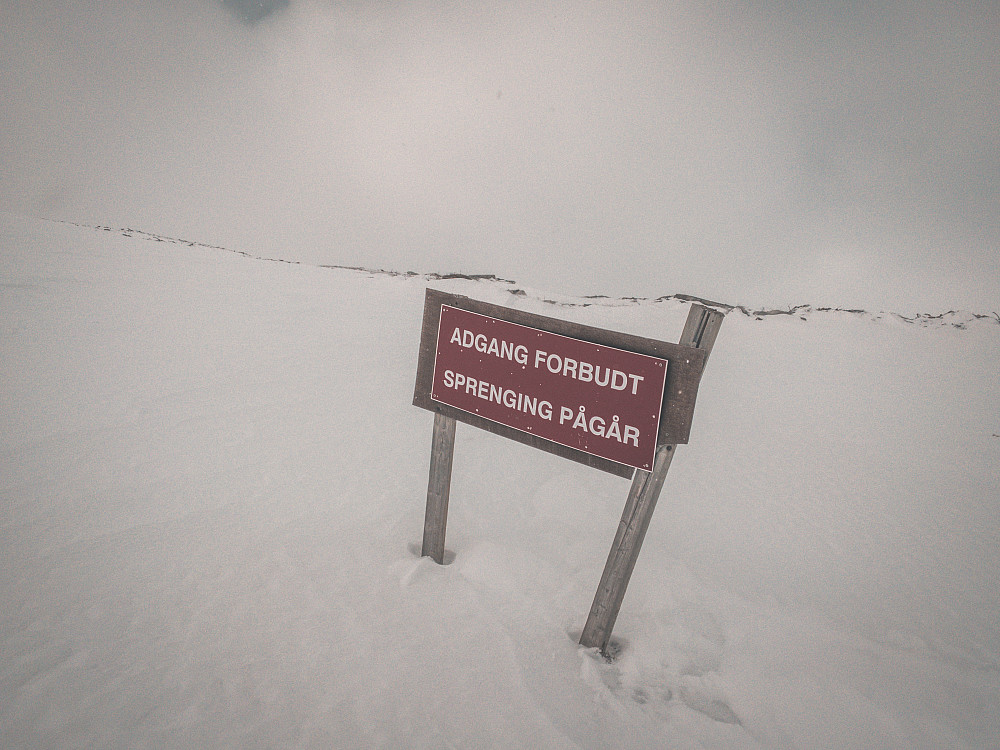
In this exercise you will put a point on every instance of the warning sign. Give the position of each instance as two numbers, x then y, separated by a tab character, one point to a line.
598	399
603	398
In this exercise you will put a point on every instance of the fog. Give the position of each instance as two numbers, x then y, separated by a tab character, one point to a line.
755	153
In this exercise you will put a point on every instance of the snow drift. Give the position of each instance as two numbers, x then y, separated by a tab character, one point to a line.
212	485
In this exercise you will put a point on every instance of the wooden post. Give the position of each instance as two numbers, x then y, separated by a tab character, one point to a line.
700	331
438	488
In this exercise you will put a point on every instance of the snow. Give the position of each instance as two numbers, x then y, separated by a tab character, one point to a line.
212	486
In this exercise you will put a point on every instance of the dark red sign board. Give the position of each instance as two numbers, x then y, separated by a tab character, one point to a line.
493	384
597	399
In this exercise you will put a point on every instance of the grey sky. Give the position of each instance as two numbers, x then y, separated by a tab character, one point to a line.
764	153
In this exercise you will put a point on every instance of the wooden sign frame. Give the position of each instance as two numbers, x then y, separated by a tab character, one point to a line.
686	362
677	409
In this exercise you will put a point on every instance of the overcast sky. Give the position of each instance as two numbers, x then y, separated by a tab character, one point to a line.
831	153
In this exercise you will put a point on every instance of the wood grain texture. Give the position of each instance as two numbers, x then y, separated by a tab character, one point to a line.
438	488
639	506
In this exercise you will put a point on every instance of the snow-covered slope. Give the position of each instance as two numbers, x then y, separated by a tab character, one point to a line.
212	484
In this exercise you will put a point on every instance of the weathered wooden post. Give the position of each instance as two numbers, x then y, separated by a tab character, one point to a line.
438	488
700	332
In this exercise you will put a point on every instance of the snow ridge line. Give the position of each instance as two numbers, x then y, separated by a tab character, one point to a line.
142	235
955	318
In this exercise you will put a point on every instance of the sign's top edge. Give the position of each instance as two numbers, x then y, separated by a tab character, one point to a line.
621	340
664	360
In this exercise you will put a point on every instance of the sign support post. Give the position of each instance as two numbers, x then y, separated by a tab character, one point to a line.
438	488
700	332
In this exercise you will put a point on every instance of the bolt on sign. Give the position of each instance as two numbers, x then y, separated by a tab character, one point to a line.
603	398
